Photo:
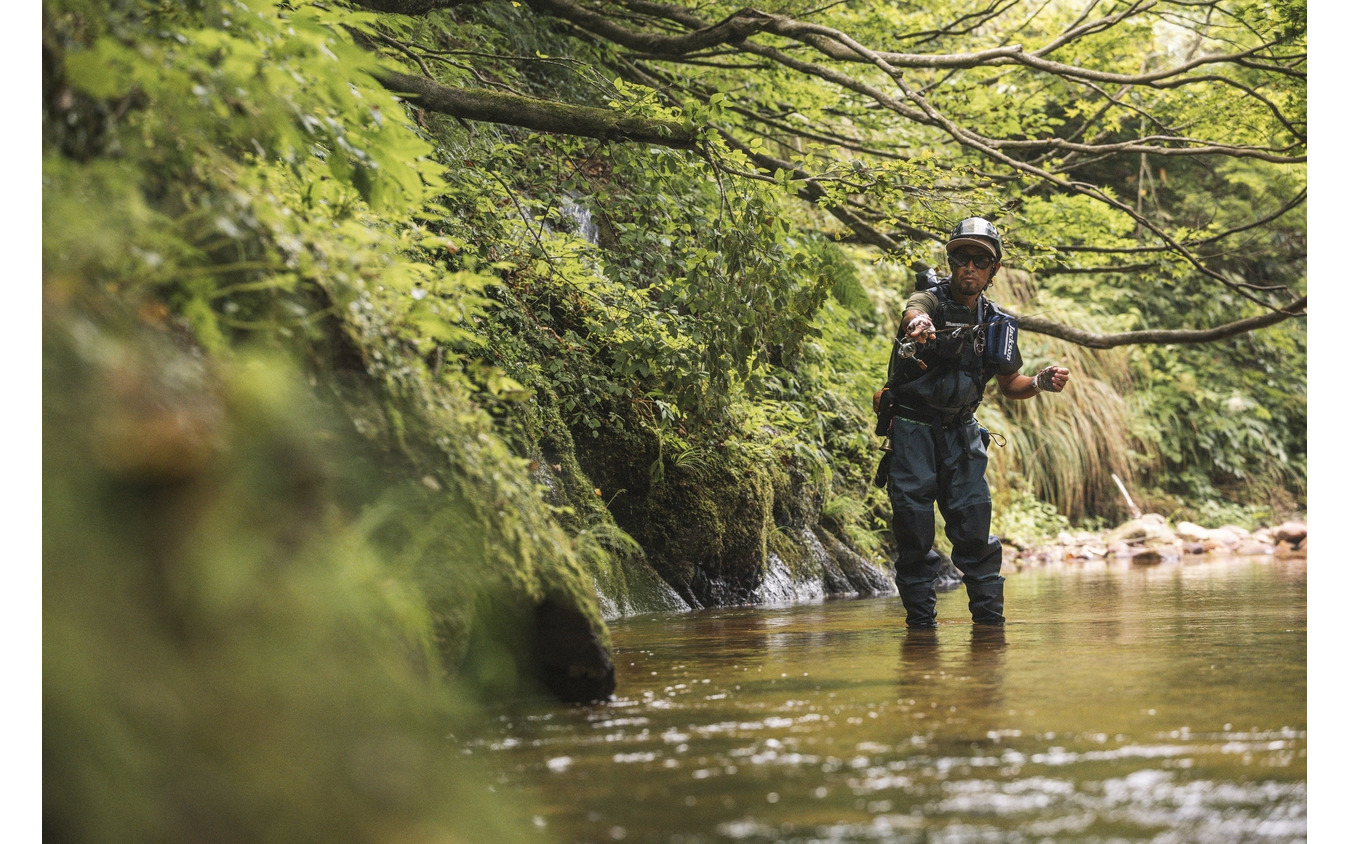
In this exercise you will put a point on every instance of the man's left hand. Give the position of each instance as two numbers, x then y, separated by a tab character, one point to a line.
1052	378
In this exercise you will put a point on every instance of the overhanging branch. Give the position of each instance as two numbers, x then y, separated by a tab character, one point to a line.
1038	325
538	115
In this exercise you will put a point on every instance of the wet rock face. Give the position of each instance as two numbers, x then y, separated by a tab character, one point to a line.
705	524
573	662
859	576
702	531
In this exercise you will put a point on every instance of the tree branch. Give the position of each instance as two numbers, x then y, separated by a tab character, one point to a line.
1038	325
530	113
413	7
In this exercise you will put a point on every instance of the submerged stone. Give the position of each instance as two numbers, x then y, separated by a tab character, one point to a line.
573	662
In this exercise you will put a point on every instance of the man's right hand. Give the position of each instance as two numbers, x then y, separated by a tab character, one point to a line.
921	329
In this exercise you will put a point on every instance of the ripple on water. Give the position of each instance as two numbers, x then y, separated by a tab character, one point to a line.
1098	718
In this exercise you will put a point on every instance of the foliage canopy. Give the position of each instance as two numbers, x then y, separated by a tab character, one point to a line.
1094	133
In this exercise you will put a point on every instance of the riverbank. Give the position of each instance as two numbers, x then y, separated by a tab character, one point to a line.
1150	539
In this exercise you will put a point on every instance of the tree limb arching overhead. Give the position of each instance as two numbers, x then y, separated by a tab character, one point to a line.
1090	340
535	114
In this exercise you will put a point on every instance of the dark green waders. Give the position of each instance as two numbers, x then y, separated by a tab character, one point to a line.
943	465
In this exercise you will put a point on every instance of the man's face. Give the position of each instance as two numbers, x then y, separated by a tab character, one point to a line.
972	268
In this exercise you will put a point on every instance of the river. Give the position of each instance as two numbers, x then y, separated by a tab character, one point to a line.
1120	704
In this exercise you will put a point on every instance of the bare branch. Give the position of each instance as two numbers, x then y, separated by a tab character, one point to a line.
1124	268
413	7
1078	31
1038	325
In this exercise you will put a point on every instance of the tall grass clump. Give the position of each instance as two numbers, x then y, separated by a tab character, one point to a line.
1064	448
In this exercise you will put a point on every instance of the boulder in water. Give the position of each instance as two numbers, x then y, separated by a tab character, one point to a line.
573	662
1292	532
1150	527
1223	539
1191	532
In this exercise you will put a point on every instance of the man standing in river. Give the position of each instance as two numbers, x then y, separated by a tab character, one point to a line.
960	340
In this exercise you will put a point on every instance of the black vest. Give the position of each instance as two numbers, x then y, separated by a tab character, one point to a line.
956	372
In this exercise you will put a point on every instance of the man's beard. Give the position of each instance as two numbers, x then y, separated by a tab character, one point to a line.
972	283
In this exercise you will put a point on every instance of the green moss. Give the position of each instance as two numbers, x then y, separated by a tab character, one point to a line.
785	543
702	525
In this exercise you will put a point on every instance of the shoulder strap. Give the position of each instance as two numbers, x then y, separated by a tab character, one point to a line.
995	309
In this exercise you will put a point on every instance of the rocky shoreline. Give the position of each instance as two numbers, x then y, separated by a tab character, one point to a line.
1150	540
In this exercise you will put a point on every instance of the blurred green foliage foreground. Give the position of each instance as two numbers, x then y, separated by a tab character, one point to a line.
283	561
227	655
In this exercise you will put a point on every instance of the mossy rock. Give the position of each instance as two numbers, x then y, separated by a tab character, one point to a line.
702	530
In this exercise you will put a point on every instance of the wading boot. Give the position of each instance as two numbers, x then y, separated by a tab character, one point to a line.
920	605
986	599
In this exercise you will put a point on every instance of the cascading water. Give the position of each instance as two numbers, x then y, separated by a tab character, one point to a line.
582	219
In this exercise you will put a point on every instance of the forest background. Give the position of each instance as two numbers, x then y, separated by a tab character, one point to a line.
360	397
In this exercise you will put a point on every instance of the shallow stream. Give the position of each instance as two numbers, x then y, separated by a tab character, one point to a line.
1120	704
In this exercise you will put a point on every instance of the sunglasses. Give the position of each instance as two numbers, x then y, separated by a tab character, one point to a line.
960	259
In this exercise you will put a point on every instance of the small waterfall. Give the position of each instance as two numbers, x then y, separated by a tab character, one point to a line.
584	221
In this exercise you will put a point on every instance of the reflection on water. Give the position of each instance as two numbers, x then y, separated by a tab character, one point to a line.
1163	704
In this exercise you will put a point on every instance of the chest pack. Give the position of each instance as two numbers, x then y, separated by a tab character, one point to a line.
989	343
981	349
1000	339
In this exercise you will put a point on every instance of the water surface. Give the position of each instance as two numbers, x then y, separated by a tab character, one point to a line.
1120	704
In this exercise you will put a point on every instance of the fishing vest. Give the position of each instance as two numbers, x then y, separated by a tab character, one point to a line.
956	364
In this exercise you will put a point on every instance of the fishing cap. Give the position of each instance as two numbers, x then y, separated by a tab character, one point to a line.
976	231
